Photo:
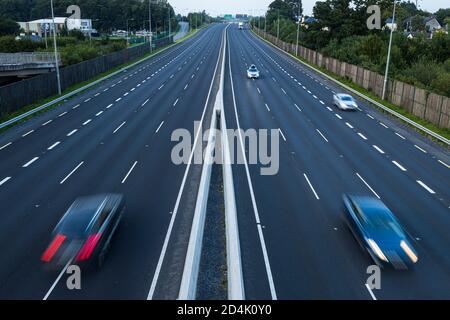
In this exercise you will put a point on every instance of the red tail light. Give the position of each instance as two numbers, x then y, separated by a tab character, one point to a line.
88	247
53	247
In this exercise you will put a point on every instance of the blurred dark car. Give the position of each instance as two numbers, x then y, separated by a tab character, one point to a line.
379	232
84	233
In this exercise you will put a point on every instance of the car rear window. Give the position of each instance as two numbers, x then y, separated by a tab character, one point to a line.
76	222
346	98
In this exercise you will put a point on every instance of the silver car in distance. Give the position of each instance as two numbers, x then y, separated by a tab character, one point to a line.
344	101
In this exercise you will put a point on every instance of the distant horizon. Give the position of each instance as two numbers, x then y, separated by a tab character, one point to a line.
258	7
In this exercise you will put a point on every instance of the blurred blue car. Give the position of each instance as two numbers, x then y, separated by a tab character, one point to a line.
379	232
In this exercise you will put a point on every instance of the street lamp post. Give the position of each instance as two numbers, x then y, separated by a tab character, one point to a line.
56	49
389	55
150	36
170	25
298	28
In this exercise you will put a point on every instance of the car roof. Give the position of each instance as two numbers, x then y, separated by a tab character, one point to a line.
84	212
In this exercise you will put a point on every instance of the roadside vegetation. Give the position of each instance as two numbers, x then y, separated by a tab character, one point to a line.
74	47
339	30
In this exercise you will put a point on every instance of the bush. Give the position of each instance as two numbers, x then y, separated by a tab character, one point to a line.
442	83
424	72
8	27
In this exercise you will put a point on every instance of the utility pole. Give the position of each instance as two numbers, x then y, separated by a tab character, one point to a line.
259	24
278	27
170	24
389	55
56	50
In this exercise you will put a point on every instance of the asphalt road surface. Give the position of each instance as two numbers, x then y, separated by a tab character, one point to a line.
116	137
294	244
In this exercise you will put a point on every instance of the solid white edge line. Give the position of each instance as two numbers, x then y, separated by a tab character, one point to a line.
399	165
180	192
157	130
4	180
396	114
71	172
57	280
54	145
129	172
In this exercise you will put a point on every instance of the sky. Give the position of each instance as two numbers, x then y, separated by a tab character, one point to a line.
258	7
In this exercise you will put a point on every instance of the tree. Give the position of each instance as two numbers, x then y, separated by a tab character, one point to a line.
442	15
8	27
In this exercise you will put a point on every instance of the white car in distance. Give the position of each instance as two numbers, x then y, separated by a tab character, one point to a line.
252	72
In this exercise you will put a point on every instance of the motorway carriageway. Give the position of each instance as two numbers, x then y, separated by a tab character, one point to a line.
115	137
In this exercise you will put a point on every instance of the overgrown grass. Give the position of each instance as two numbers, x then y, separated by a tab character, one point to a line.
445	132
